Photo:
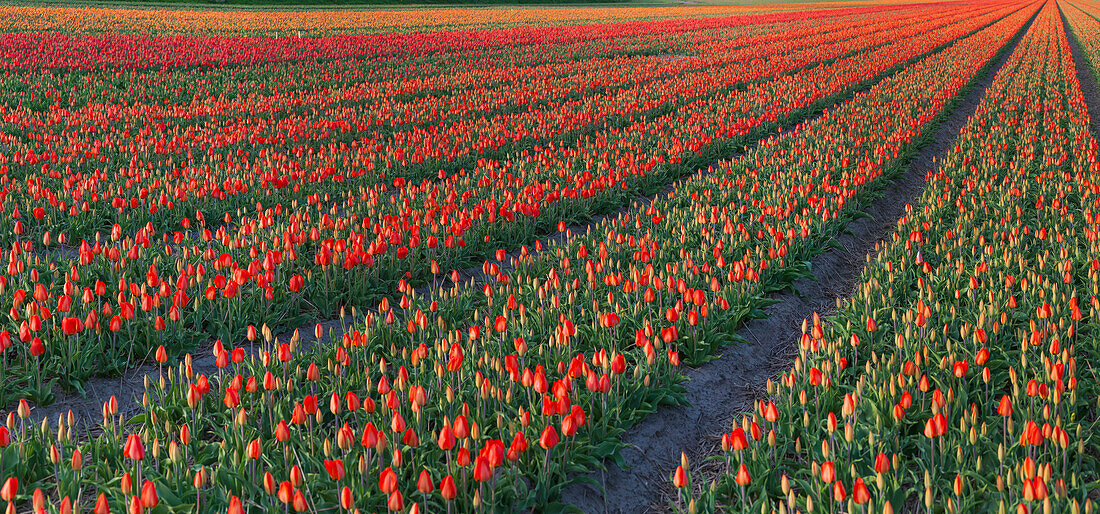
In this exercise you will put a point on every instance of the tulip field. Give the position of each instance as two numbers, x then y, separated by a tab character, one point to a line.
444	263
958	378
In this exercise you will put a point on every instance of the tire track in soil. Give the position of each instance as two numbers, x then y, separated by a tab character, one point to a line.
720	390
1085	75
129	386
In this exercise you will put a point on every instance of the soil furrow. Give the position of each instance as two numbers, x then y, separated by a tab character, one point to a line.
720	390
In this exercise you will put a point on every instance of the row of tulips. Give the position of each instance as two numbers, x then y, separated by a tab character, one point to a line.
489	395
325	22
103	304
1085	26
65	49
292	145
956	379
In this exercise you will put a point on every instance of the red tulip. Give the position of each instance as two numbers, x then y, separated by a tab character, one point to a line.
396	502
296	283
134	449
679	477
149	495
424	482
346	499
235	506
335	469
1004	408
387	480
549	438
37	348
101	505
299	504
860	494
446	438
882	463
839	494
482	471
447	488
72	326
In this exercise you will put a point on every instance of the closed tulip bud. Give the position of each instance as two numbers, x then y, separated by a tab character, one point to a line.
424	483
839	493
679	478
299	504
200	478
346	499
828	472
881	463
396	502
387	480
10	489
549	438
149	495
447	488
860	494
743	478
235	506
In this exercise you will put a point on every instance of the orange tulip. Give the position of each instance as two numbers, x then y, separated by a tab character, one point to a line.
860	494
101	505
424	482
299	504
133	449
9	490
387	480
1004	408
882	463
679	478
828	472
395	502
346	499
149	495
447	488
743	478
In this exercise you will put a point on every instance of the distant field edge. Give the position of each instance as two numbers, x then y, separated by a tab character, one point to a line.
281	5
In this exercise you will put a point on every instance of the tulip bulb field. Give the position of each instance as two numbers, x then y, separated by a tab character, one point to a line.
480	260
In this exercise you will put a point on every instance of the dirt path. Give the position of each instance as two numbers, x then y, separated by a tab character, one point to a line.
722	389
1085	76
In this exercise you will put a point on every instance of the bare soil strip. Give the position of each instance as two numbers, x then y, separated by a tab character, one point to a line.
720	390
